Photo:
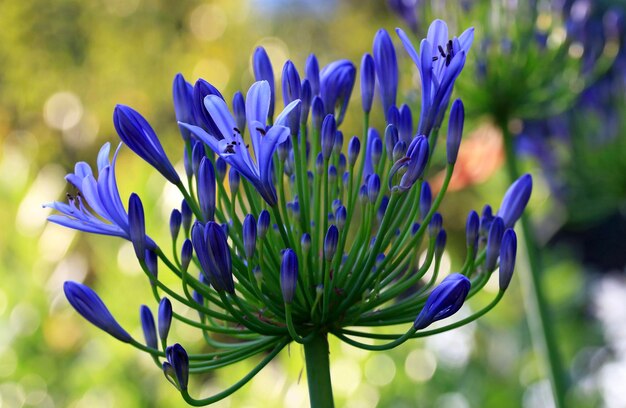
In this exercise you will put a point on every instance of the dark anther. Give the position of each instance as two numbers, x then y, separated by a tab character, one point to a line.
261	131
435	58
237	130
229	149
443	54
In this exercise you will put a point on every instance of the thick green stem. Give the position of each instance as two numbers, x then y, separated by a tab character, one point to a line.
536	305
318	372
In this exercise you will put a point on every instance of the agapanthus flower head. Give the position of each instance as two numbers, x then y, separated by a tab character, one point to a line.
307	237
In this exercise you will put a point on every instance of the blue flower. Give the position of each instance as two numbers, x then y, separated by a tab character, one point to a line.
444	301
515	200
211	247
97	207
165	318
386	65
289	275
508	251
455	130
439	62
415	163
336	83
229	144
183	103
263	71
368	80
139	136
176	368
92	308
147	324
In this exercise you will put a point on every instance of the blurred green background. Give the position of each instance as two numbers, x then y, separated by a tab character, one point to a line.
65	64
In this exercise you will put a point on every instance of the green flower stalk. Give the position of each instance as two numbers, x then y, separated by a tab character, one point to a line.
330	241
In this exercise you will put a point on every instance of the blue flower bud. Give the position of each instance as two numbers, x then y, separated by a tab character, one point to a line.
338	144
319	164
179	362
373	187
89	305
341	164
426	199
206	189
508	252
152	264
201	90
197	154
384	203
305	242
306	96
329	130
471	230
233	180
330	242
393	116
363	197
263	223
186	254
386	69
186	214
263	71
211	248
188	162
291	83
182	92
332	174
138	135
312	71
515	200
289	275
405	126
440	243
317	113
175	221
444	301
415	227
391	139
147	325
368	80
340	217
137	225
493	243
336	83
399	151
239	108
485	220
417	153
164	318
354	147
282	151
376	151
220	169
436	223
455	130
249	235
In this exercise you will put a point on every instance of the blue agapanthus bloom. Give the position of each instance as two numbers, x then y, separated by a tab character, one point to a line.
439	61
311	234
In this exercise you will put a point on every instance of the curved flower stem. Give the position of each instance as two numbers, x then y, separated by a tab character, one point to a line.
318	372
537	308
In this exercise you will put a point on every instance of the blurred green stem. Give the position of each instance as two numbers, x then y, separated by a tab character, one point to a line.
318	372
537	308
